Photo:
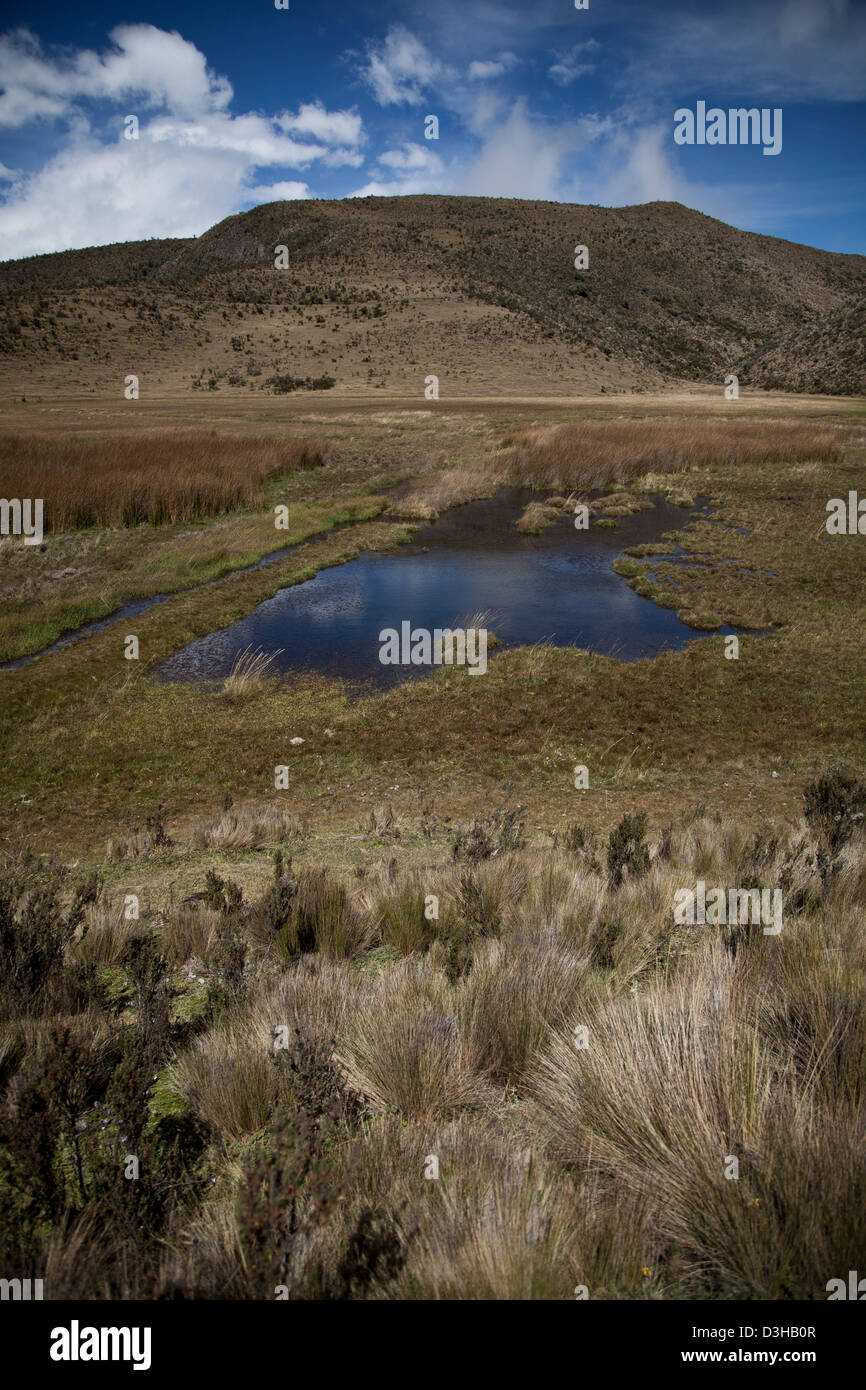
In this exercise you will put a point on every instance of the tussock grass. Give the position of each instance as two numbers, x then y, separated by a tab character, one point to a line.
228	1080
536	517
165	476
321	915
604	1161
104	934
435	493
247	827
190	933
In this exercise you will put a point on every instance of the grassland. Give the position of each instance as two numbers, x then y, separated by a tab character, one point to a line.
453	1036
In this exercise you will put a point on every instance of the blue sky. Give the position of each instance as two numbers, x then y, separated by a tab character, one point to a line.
238	105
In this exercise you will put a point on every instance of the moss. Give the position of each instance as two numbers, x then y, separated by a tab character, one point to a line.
627	569
701	619
651	548
663	599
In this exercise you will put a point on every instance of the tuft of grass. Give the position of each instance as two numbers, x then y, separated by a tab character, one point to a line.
701	619
250	669
625	567
249	827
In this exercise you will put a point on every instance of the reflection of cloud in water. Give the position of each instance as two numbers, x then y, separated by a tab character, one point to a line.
560	587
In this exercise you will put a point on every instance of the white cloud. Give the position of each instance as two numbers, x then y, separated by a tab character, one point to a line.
572	64
330	127
193	163
145	63
411	156
521	157
399	69
642	170
92	194
251	136
410	169
484	70
285	191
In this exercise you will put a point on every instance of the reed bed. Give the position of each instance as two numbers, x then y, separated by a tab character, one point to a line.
595	453
165	476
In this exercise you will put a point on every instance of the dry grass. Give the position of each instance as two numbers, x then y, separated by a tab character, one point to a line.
596	453
228	1080
402	1049
591	454
103	936
249	827
435	493
167	476
190	933
605	1163
537	516
250	669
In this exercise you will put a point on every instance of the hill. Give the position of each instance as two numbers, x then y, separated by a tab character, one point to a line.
481	292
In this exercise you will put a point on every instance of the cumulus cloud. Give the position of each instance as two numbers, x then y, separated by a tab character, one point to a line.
411	156
641	168
410	169
192	164
158	68
398	70
330	127
284	191
590	159
90	194
521	156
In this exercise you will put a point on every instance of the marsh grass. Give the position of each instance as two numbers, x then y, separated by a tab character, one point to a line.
598	453
157	477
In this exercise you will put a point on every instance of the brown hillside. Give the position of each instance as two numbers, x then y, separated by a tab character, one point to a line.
481	292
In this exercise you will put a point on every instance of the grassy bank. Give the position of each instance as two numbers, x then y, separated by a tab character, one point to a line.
90	737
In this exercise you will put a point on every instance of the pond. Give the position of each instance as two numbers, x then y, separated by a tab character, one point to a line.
557	586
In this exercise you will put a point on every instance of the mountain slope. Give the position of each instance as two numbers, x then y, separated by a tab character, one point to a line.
481	292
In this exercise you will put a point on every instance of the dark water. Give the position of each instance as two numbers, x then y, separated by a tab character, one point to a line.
557	586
